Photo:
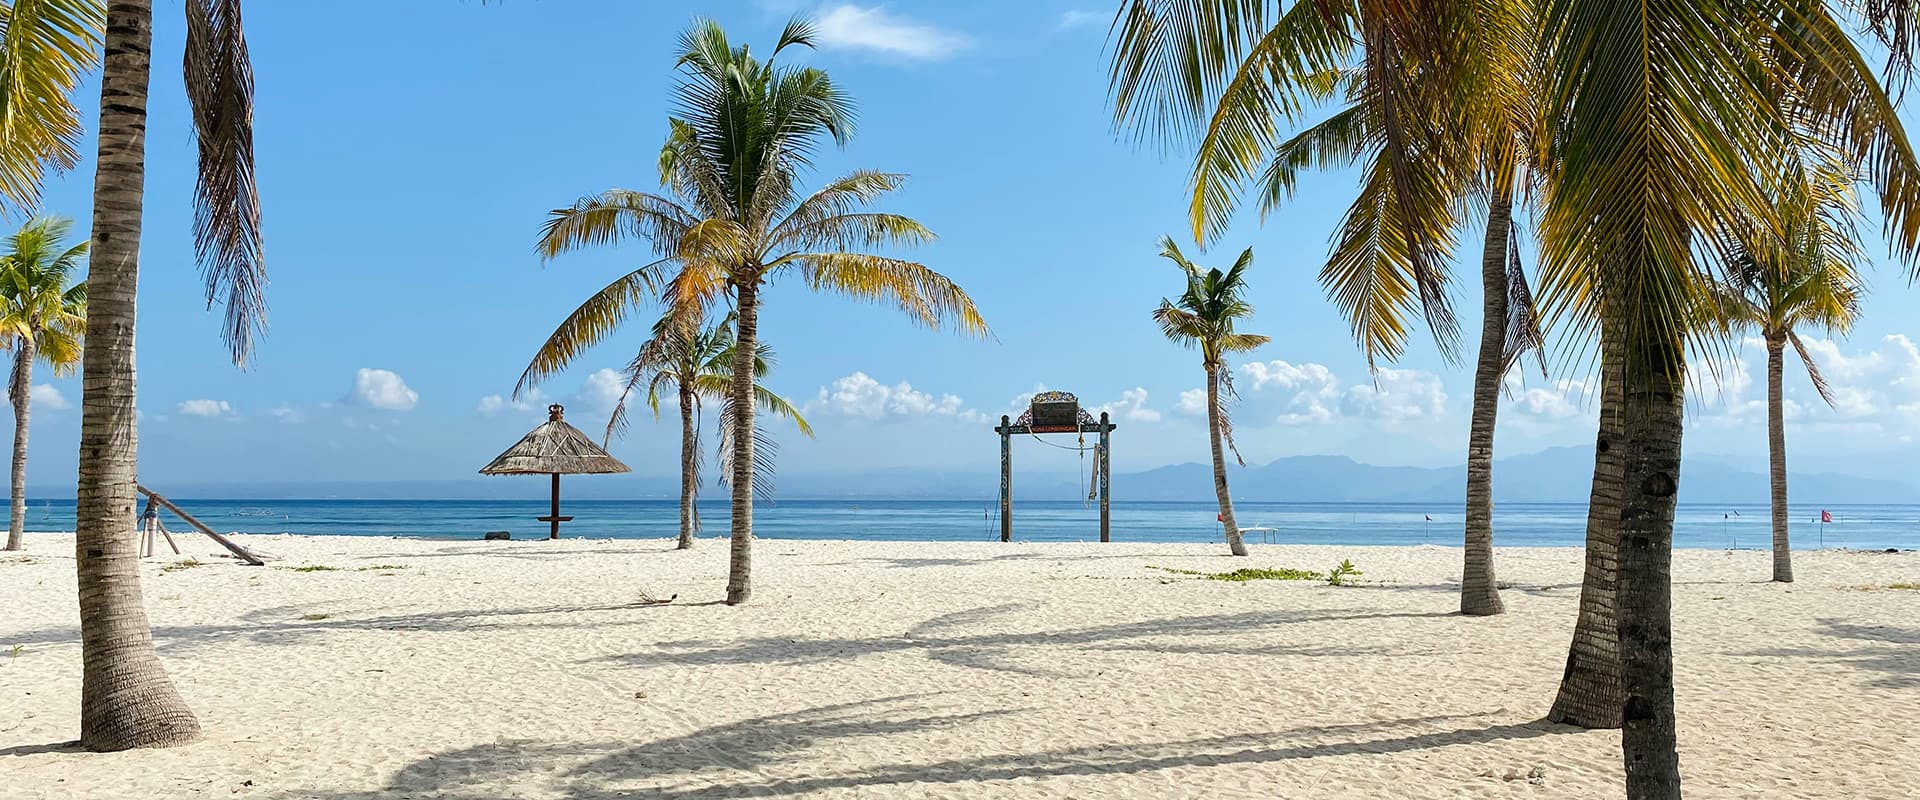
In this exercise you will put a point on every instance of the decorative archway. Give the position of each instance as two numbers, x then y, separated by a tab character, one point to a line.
1056	412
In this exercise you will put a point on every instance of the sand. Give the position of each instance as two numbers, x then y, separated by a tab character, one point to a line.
951	670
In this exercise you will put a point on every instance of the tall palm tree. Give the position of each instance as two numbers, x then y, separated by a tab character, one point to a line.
43	313
126	698
1203	318
1667	128
697	366
1810	280
1436	100
742	132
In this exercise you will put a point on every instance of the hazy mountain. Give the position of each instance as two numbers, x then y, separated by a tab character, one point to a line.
1556	475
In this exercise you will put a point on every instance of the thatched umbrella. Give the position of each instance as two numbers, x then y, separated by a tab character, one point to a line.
555	448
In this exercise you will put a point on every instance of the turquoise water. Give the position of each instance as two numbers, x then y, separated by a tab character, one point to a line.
1515	524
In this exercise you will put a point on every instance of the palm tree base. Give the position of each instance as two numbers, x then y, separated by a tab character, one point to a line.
1482	605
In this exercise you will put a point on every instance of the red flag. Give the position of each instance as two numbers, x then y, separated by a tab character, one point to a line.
1218	517
1825	516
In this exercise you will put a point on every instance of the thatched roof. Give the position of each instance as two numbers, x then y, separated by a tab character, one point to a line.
554	447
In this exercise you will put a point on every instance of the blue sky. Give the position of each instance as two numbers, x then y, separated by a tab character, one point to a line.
406	166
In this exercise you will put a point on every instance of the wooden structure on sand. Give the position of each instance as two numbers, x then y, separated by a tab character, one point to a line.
150	524
555	448
1056	412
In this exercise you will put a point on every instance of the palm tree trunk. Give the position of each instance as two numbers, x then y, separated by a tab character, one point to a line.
746	344
1479	592
1777	459
1234	545
126	699
1590	692
1653	428
22	386
689	462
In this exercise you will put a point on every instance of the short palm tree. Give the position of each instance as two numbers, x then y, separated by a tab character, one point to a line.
1203	318
1810	282
126	698
43	315
697	366
742	132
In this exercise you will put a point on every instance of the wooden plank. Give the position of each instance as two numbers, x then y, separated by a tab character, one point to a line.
240	552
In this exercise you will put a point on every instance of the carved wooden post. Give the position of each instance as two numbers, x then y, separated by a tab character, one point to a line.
1105	466
1006	478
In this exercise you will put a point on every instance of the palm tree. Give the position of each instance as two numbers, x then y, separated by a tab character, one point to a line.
696	365
1667	128
41	317
126	698
1203	318
743	131
1810	280
1228	74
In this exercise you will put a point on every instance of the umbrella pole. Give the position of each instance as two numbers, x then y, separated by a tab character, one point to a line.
555	534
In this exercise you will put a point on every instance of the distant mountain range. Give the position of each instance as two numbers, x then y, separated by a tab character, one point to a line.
1553	476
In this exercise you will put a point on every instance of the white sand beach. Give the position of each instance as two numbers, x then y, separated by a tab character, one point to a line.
532	669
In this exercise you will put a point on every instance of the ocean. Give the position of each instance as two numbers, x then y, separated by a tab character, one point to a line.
1515	524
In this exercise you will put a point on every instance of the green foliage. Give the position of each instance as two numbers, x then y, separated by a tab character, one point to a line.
314	617
313	568
1912	587
1341	574
1245	574
43	294
14	651
382	566
185	563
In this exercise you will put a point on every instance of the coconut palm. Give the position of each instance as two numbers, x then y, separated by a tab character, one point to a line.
1809	281
1229	75
126	698
42	315
1203	318
697	366
743	131
1667	129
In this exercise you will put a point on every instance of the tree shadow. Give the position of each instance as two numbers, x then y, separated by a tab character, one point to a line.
1889	650
941	639
734	759
284	625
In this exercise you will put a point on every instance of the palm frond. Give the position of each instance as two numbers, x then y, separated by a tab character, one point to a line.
930	298
46	47
226	219
1813	369
611	217
591	322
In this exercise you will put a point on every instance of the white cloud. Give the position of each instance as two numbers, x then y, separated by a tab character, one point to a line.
1397	395
533	399
859	395
44	396
1193	403
599	394
1560	400
1302	394
1076	18
382	389
1294	395
205	408
851	27
288	414
1132	407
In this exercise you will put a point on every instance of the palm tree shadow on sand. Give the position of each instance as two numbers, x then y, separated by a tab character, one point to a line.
746	758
